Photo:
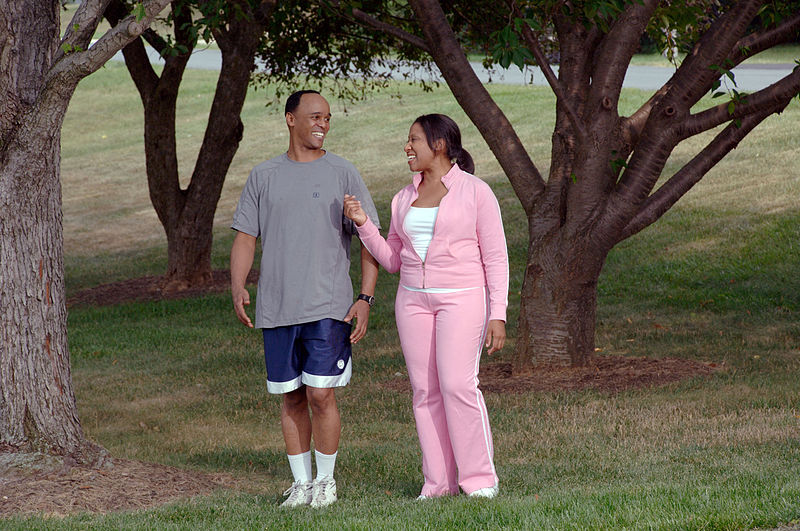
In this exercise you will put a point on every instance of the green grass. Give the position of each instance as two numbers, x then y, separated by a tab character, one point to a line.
182	383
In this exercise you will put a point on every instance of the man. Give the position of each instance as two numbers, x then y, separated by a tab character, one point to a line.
293	202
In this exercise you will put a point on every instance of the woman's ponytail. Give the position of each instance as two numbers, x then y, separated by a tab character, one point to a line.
464	161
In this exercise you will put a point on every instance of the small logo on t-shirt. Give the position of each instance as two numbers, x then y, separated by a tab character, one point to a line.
315	195
340	364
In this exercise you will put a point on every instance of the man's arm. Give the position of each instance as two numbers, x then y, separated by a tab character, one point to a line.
360	308
242	253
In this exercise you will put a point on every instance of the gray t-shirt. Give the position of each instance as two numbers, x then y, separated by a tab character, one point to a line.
296	209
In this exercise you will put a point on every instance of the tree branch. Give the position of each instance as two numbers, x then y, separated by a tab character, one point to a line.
695	76
634	124
786	31
81	28
785	88
78	65
617	48
473	97
679	184
533	45
366	19
692	79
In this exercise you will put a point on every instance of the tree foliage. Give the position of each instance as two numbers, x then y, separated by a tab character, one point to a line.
308	43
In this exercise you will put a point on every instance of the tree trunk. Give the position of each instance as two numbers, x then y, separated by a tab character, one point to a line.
187	215
37	403
558	304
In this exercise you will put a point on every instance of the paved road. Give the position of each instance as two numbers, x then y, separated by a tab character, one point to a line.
748	78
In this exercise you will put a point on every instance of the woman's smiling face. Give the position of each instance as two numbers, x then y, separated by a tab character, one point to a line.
419	153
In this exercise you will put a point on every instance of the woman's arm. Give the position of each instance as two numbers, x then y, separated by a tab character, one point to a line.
386	252
494	253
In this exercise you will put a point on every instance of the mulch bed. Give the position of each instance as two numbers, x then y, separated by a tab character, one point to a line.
130	485
121	485
150	288
609	374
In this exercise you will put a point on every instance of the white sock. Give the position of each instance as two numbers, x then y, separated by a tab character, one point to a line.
301	466
325	464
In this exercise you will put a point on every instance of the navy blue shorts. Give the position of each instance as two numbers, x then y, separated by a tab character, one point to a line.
316	354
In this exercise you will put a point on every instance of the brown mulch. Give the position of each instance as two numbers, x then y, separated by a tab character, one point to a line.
608	374
150	288
132	485
120	485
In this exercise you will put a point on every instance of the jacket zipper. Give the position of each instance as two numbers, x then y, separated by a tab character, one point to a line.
432	234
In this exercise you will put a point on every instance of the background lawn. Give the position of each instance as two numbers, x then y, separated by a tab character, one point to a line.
182	382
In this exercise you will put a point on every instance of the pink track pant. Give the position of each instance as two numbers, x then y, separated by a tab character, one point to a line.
442	337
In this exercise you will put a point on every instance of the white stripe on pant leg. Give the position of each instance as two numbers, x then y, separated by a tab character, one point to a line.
484	412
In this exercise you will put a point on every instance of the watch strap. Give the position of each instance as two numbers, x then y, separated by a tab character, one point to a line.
369	299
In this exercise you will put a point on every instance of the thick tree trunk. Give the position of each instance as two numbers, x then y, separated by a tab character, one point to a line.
37	403
558	305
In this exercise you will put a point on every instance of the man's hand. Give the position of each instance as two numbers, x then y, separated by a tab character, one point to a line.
359	310
353	210
241	298
495	336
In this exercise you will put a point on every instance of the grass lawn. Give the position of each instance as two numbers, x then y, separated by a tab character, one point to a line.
182	383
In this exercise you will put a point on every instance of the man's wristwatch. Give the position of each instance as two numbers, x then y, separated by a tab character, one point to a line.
369	298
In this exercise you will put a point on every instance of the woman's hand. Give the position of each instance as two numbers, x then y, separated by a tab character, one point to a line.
495	335
353	210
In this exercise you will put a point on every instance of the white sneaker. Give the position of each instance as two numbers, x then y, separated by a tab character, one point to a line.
299	494
324	492
486	492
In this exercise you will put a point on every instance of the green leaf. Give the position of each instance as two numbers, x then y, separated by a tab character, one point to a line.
139	12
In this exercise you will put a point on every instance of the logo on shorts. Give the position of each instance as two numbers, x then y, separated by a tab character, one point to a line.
340	364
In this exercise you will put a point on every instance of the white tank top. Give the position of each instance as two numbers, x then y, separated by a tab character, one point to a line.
418	224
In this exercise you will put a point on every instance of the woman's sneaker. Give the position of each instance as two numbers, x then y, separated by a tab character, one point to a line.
324	492
486	492
299	494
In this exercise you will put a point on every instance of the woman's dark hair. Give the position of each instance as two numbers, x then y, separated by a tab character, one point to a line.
441	127
293	101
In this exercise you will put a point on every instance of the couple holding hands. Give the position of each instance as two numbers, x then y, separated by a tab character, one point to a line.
447	241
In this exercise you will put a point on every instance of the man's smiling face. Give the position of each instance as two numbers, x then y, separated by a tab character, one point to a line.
309	122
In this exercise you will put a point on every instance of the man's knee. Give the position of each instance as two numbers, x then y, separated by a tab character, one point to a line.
321	400
295	400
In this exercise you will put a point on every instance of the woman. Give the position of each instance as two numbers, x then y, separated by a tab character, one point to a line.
446	239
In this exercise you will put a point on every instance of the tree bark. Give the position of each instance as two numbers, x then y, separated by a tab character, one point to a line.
37	403
39	75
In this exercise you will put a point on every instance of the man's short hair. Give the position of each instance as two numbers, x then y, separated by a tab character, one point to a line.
293	101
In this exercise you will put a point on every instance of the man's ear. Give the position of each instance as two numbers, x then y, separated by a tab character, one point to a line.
290	119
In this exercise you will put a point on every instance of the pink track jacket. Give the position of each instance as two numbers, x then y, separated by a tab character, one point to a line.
468	248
